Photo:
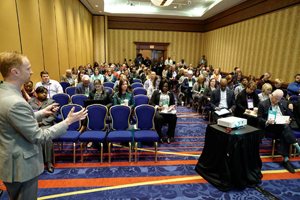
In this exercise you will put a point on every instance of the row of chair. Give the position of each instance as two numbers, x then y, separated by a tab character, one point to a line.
99	132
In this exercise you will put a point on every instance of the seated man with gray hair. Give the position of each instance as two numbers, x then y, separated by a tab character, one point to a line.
68	77
283	131
84	87
263	80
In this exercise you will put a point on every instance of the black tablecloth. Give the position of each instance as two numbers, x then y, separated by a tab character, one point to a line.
231	160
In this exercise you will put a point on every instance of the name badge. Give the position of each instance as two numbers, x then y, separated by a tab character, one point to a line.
271	115
35	110
190	84
250	103
122	102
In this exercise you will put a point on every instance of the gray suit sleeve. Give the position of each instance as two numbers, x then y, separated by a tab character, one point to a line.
39	115
21	117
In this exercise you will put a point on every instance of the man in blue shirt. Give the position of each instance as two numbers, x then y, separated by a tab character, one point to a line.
294	88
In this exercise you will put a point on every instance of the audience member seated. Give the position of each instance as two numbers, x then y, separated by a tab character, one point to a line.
80	68
210	70
179	75
123	93
187	87
266	92
110	77
294	88
165	71
161	65
38	103
85	87
141	69
182	78
68	77
172	75
277	84
147	62
206	78
246	101
74	71
252	78
222	98
88	69
28	91
154	65
99	94
112	68
283	131
229	82
196	74
129	78
117	66
134	74
153	85
182	63
168	61
160	99
202	69
116	85
79	77
144	75
238	78
208	91
264	80
241	86
102	69
233	74
52	86
198	90
202	61
121	69
148	82
217	75
97	76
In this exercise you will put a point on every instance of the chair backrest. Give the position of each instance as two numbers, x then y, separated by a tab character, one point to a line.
294	98
70	90
78	99
97	117
136	85
235	86
109	89
145	117
141	99
64	85
284	93
61	98
139	90
258	91
137	81
120	117
108	84
65	111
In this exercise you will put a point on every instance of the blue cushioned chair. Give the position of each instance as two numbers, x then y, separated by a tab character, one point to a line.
64	85
297	135
258	91
96	125
141	99
72	133
285	93
236	86
62	99
120	123
294	98
139	90
145	123
70	90
108	84
136	85
137	81
78	99
110	90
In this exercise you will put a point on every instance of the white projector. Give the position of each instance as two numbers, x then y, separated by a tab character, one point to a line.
232	122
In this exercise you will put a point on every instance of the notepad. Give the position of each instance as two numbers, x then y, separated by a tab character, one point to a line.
222	112
282	119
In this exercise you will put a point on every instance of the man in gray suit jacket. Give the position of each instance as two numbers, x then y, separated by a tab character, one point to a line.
85	87
21	159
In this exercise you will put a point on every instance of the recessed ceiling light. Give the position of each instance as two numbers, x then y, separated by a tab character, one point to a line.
175	6
100	11
96	6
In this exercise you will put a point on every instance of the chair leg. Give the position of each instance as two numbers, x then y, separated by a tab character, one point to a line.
53	145
62	145
101	157
155	143
74	151
291	149
109	149
209	116
129	152
273	148
81	151
59	147
294	152
135	150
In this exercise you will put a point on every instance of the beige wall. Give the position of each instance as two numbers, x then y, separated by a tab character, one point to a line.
99	29
54	34
269	43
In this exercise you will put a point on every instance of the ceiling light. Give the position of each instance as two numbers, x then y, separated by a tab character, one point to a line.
100	11
96	6
161	3
175	6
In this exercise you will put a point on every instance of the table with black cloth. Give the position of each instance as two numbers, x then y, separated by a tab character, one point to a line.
231	160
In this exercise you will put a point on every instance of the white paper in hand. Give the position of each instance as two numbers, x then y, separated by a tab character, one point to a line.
282	119
222	112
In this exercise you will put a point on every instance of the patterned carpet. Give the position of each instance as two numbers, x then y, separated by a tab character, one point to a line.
172	177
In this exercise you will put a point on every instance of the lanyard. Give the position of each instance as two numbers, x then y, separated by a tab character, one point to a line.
249	102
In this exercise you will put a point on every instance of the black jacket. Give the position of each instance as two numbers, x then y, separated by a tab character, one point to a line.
106	97
156	96
216	97
170	74
241	102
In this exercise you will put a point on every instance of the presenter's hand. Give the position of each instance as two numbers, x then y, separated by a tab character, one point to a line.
74	117
49	110
230	110
271	121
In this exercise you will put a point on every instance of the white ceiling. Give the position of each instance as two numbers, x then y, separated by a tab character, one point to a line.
179	9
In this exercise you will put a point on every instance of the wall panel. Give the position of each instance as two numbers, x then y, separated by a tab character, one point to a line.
71	33
49	38
9	37
99	39
78	46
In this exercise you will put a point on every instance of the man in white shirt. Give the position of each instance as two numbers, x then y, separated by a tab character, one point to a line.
169	61
52	86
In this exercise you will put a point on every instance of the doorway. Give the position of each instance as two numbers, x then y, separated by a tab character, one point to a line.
157	54
152	49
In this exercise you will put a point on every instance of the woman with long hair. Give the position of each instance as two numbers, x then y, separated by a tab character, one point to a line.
123	93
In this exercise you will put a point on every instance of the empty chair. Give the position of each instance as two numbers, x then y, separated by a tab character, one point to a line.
64	85
72	132
137	81
78	99
108	84
136	85
139	90
145	123
284	93
62	99
294	98
70	90
96	127
141	99
120	123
